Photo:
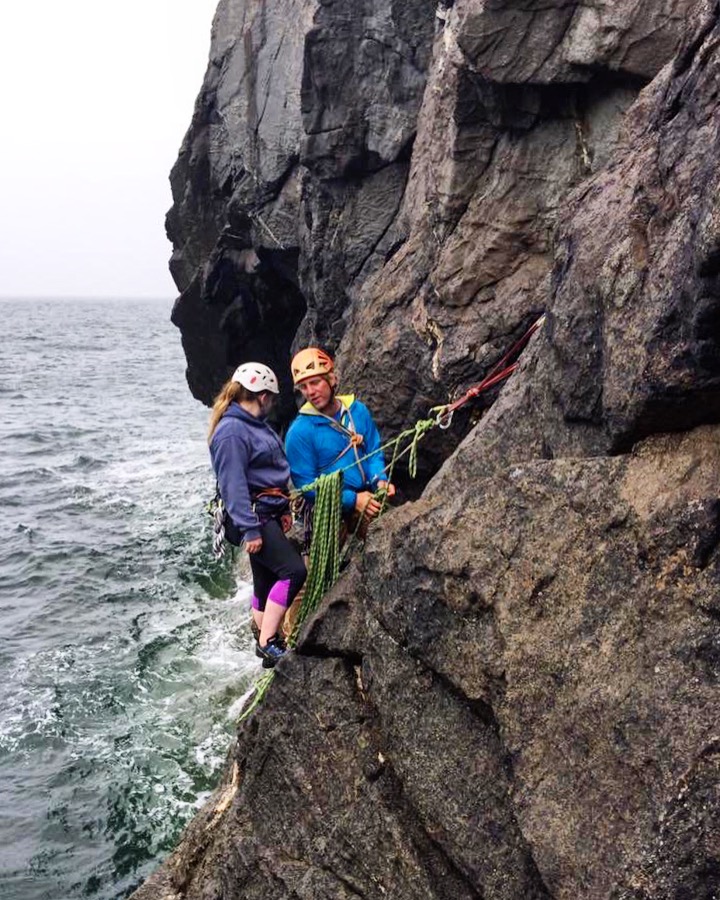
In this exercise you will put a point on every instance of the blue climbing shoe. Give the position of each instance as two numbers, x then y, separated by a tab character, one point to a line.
278	640
274	650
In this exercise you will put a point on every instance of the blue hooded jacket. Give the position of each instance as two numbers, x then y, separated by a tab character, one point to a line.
247	457
315	445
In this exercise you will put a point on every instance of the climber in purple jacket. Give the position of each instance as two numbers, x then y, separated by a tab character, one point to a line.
253	476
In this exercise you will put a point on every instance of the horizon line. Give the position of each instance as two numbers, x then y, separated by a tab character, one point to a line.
87	297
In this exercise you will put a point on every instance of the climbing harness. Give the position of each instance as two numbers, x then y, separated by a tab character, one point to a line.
223	528
269	492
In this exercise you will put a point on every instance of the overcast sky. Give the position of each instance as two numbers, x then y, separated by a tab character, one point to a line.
95	99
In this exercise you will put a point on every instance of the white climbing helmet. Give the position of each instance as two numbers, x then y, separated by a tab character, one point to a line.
256	377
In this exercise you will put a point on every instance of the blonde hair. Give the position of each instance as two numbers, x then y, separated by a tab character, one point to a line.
230	392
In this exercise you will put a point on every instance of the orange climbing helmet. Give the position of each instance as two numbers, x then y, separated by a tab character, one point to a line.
310	362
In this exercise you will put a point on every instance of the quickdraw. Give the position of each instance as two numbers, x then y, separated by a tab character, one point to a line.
216	510
499	372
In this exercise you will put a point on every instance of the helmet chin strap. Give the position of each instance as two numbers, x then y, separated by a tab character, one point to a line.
333	384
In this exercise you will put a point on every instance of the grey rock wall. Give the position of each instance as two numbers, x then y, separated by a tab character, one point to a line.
512	693
511	124
367	177
290	179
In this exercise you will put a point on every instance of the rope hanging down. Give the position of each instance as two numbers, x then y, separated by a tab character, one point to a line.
324	559
323	566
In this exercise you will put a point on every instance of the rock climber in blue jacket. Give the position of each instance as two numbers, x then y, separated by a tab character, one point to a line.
253	475
331	432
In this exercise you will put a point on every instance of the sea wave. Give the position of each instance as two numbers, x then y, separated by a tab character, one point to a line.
124	644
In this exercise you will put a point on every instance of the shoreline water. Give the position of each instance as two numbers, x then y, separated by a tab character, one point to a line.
123	643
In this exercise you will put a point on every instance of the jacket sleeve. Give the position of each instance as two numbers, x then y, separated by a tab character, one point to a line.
302	458
230	461
375	464
349	498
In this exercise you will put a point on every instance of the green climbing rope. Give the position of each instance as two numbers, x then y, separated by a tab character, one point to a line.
323	567
259	690
411	435
324	559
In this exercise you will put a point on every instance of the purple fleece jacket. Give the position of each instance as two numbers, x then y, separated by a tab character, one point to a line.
247	457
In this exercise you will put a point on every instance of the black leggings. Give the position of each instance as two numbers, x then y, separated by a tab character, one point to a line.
278	570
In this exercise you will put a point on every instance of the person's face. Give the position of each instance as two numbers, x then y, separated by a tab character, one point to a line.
317	391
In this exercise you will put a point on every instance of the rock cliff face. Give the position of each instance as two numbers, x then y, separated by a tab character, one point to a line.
512	693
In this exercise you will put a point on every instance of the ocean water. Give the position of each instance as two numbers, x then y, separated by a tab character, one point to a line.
124	646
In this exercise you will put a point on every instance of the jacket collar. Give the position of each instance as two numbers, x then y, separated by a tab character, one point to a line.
235	411
307	409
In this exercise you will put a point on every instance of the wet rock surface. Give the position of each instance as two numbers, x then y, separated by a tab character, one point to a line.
512	693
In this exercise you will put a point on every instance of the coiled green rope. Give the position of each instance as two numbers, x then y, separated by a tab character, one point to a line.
324	560
323	566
